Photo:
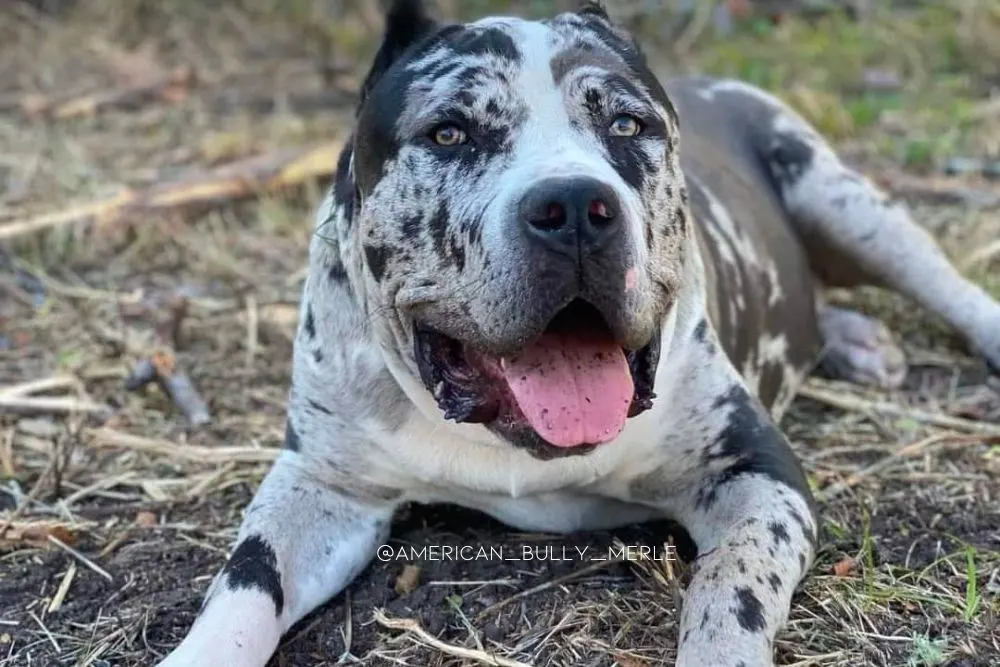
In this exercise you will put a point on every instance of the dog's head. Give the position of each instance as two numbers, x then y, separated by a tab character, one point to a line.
518	220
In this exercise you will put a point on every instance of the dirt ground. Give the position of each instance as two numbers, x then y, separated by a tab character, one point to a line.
116	511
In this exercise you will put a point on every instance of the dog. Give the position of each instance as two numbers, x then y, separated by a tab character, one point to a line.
551	288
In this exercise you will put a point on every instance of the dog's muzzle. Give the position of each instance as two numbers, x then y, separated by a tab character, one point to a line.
574	385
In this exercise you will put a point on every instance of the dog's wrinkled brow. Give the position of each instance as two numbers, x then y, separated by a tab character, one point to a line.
584	55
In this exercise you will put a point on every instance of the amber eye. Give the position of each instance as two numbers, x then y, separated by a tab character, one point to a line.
448	135
625	126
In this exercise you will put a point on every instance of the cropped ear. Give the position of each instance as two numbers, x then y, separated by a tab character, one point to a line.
593	8
406	23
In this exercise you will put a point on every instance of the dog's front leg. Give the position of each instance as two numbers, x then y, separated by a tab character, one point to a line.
735	485
756	539
301	543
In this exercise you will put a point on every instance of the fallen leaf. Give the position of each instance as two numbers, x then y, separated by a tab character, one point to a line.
36	534
146	519
408	580
845	567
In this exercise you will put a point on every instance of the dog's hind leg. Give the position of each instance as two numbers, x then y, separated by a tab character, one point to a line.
855	233
300	544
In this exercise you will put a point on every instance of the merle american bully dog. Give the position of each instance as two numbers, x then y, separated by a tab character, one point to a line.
549	287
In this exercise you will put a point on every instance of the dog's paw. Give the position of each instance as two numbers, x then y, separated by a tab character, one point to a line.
860	349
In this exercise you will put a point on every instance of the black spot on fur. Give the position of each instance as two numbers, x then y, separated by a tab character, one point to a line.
704	620
376	256
750	612
310	323
457	253
337	273
701	331
254	565
753	440
488	41
438	225
292	442
775	582
789	158
411	226
779	532
320	408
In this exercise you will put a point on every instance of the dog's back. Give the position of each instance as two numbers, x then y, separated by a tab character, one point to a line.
756	265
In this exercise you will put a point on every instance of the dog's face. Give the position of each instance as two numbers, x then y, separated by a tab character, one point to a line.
519	219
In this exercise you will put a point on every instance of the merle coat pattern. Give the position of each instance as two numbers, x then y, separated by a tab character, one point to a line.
505	176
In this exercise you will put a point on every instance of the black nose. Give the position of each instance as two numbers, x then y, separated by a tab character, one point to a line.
571	215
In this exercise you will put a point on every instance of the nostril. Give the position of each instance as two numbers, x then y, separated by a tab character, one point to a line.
599	213
553	217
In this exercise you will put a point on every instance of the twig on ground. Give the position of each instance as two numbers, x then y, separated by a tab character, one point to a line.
107	437
162	367
80	557
558	581
981	255
941	190
35	491
46	632
857	404
60	596
224	184
35	533
913	449
39	386
170	87
50	404
413	627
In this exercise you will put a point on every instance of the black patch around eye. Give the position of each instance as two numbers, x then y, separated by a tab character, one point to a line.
630	160
594	102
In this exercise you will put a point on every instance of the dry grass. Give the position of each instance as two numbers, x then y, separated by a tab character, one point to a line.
909	481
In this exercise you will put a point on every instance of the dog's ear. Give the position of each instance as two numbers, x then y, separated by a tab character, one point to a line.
593	8
406	23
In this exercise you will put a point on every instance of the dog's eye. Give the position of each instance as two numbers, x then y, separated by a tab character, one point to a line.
625	126
449	135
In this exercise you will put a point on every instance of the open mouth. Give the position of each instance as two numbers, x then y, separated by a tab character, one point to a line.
572	386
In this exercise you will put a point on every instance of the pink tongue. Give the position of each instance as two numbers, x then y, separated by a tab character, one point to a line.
572	391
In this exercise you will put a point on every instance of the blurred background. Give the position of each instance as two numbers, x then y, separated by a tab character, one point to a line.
160	162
